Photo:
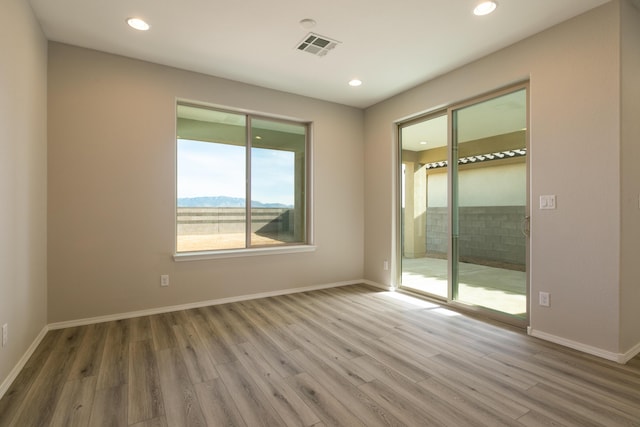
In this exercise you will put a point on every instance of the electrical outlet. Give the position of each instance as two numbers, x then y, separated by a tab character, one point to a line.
386	265
5	334
164	280
544	299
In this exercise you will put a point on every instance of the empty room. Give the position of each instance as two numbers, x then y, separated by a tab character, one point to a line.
314	214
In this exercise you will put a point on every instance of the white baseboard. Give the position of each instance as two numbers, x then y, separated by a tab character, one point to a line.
377	285
168	309
23	360
621	358
631	353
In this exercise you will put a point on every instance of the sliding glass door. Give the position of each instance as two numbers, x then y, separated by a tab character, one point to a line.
425	212
489	188
464	218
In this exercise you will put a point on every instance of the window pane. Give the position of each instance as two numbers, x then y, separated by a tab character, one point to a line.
223	205
211	180
278	178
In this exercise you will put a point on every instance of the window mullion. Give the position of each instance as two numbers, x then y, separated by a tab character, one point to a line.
248	184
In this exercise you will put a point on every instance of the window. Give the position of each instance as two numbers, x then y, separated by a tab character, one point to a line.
241	181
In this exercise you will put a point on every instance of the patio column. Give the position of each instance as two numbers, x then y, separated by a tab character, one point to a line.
415	210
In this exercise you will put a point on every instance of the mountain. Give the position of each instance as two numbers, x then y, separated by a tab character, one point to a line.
223	202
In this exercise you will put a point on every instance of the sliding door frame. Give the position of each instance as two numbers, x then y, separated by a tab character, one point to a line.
452	170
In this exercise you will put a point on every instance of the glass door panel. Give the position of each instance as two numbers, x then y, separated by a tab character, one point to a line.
424	215
489	204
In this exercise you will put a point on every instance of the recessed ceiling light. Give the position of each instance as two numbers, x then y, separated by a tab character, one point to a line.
307	23
485	8
423	142
355	82
138	24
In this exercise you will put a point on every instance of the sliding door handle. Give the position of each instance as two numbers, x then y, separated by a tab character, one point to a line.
525	226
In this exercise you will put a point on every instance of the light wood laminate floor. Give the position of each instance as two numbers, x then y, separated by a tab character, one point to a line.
350	356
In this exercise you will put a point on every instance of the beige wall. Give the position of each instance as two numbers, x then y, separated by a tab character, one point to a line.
23	171
111	189
574	153
630	157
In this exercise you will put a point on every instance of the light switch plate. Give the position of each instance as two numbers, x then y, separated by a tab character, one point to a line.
548	202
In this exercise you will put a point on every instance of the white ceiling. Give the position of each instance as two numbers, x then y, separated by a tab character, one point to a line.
390	45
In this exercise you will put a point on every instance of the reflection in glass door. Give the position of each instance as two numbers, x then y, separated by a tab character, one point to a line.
489	204
464	226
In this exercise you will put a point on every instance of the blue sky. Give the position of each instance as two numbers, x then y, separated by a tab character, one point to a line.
210	169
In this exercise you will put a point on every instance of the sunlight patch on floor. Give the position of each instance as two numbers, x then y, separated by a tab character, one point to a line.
495	288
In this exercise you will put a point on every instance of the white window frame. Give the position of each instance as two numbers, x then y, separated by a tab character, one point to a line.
307	246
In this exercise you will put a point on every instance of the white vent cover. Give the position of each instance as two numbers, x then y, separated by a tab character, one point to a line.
316	44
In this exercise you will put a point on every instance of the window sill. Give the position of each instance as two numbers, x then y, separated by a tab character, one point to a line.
237	253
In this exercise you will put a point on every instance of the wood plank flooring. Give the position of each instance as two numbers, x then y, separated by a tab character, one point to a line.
350	356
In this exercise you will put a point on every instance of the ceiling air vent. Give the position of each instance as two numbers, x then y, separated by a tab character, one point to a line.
317	45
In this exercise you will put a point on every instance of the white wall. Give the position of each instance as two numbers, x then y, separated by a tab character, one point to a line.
630	158
574	153
111	189
23	171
